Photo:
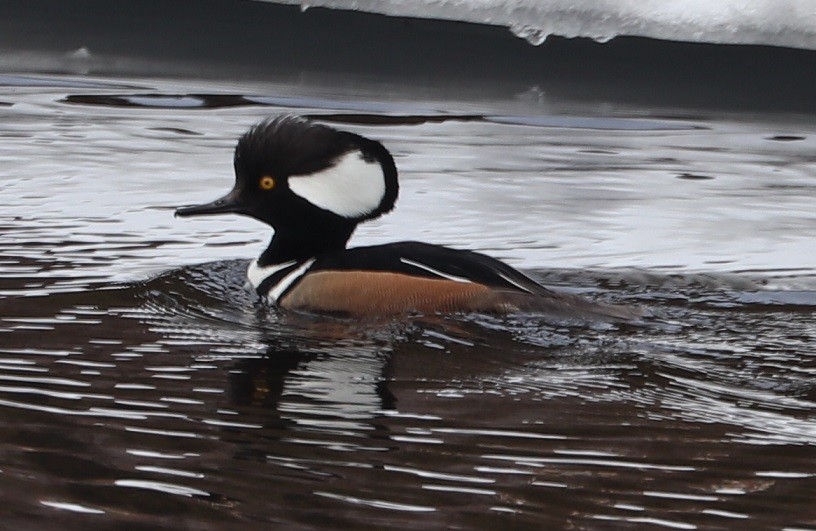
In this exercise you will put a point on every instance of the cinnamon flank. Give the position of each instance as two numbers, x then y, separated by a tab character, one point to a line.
383	293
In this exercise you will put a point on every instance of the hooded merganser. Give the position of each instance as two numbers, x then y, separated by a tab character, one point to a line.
314	184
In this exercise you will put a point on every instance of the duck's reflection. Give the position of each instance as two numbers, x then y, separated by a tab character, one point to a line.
347	373
344	384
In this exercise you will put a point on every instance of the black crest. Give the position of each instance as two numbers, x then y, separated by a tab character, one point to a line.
291	145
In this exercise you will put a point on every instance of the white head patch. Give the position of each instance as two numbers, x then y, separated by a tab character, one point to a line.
351	188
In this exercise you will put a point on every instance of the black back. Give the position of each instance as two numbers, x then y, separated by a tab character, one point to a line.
424	260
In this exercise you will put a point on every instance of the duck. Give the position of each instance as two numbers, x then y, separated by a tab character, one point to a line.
314	184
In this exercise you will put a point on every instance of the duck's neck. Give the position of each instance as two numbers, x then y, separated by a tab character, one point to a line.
304	243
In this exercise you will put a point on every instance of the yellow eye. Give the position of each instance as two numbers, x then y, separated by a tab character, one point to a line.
266	182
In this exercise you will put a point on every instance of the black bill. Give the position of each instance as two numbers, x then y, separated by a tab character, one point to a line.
230	203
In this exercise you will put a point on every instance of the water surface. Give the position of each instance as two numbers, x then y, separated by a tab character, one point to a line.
142	385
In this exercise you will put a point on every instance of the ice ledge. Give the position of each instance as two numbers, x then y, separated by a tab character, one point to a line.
789	23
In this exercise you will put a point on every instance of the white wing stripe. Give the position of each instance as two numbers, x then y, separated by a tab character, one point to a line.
513	282
434	271
257	274
289	279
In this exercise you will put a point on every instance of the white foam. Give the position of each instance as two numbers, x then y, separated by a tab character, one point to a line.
774	22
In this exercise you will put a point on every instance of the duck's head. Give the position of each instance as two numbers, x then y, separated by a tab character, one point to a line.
293	173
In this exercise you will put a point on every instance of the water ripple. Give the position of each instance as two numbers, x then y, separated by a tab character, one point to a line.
135	383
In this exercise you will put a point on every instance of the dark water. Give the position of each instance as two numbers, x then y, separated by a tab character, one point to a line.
142	385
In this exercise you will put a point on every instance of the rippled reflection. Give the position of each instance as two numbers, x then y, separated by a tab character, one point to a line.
140	389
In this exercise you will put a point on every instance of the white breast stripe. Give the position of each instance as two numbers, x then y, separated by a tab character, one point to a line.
434	271
289	279
516	284
257	274
352	187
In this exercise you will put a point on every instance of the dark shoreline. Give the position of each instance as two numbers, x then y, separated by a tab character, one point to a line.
257	40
